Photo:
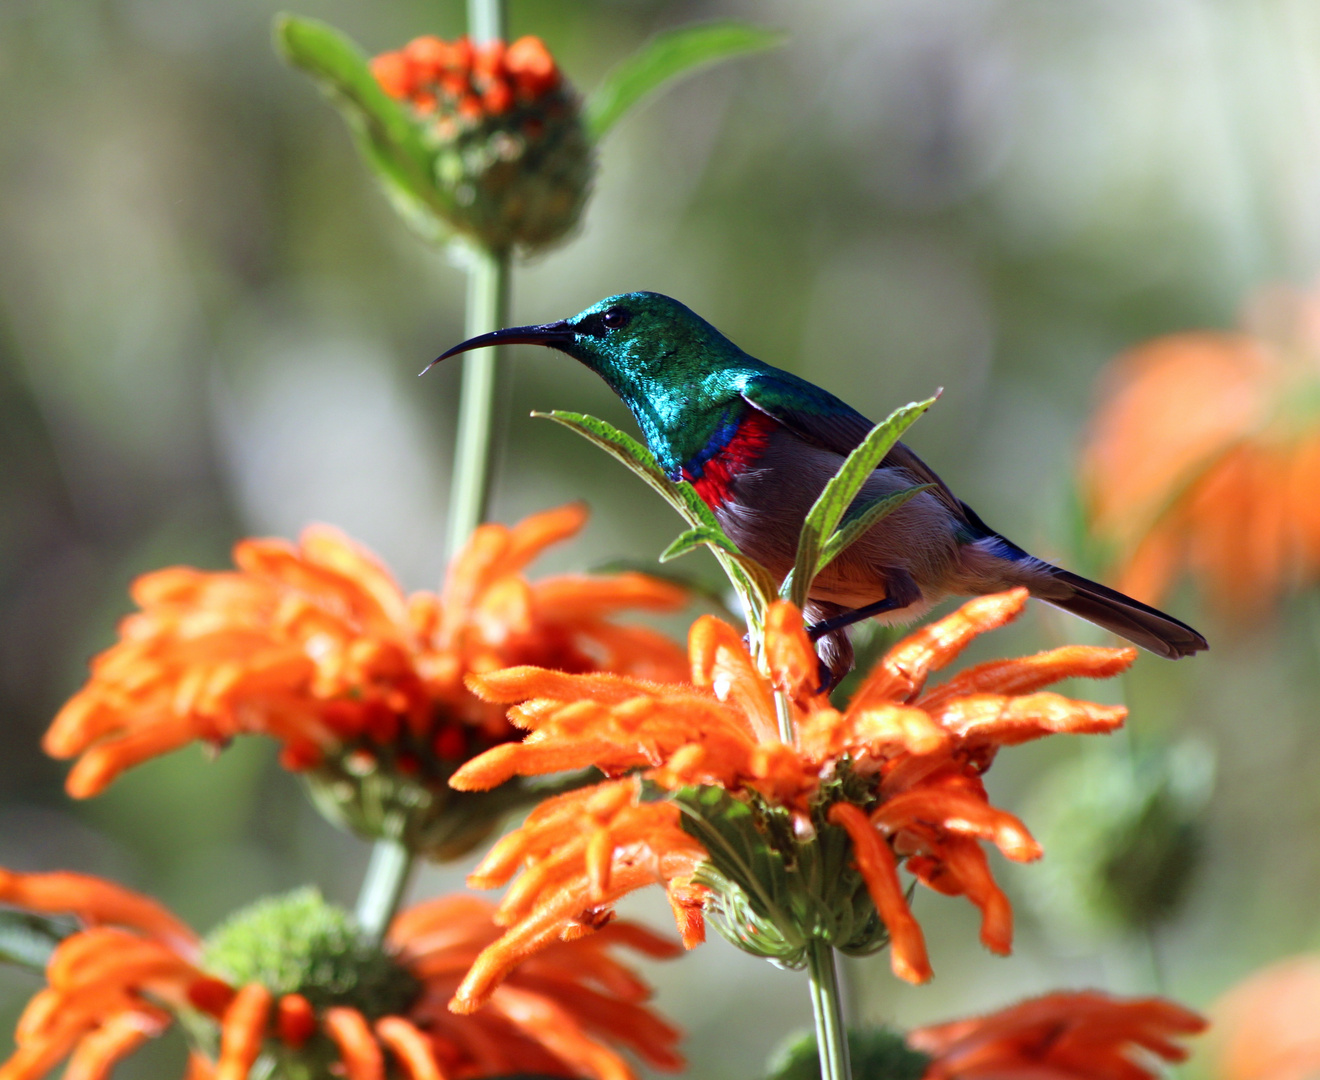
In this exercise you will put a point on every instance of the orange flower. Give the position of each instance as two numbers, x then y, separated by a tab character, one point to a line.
1063	1036
317	646
1268	1026
898	771
1205	456
122	978
472	81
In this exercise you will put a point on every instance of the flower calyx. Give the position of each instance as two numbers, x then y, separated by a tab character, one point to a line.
510	154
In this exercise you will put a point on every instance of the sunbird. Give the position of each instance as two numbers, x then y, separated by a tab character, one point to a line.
758	444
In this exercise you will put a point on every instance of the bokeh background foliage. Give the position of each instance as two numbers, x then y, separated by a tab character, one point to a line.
210	324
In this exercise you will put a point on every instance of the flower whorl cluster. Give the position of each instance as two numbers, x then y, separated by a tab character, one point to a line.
1204	458
316	645
699	769
1082	1035
292	979
505	127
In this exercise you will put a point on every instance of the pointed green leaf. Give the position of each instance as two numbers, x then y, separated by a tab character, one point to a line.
387	136
754	583
856	526
667	57
698	586
695	538
28	940
838	495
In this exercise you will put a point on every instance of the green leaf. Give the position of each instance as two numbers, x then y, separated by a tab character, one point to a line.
857	525
387	136
754	583
838	495
28	940
695	538
667	57
726	828
875	1054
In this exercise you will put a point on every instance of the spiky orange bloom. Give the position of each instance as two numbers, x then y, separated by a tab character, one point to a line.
1204	457
1063	1036
466	80
921	753
318	647
1267	1027
121	979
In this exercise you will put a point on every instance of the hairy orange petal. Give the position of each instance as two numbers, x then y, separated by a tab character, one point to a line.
1170	407
468	574
534	534
793	662
1007	721
30	1061
200	1067
99	766
958	813
329	548
358	1051
410	1047
969	865
295	1021
880	872
241	1032
720	662
636	1027
508	760
98	1052
582	596
1026	674
902	672
95	901
521	683
555	1029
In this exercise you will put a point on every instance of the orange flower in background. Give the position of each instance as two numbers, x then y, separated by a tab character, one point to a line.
316	646
124	976
469	81
899	771
1062	1036
507	160
1204	457
1268	1026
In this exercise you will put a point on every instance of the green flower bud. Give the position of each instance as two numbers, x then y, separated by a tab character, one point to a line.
510	155
1124	837
875	1053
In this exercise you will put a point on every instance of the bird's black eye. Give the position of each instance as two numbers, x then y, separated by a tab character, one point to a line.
616	317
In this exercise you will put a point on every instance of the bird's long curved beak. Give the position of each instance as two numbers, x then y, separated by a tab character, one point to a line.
555	335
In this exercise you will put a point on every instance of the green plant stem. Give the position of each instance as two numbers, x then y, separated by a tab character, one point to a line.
827	1006
485	20
383	887
487	310
784	714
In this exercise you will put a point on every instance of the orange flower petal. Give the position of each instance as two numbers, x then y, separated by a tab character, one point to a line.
241	1032
907	947
410	1047
95	901
359	1052
901	674
1029	673
98	1052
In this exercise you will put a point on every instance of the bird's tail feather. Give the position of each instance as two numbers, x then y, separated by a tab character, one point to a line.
1131	619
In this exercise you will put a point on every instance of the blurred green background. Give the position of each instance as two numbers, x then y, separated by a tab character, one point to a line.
210	325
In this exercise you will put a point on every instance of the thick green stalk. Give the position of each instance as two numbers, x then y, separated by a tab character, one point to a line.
487	310
784	714
383	887
485	20
827	1006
